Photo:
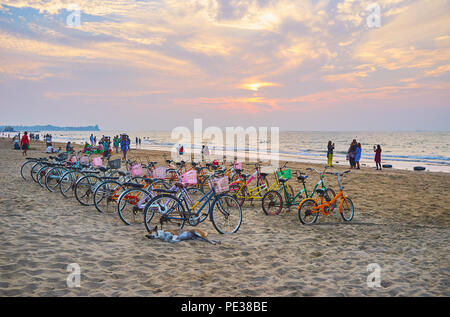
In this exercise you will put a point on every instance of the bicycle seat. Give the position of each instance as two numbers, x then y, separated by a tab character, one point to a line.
282	180
180	185
320	191
104	169
264	174
238	171
302	177
168	161
134	185
198	169
121	173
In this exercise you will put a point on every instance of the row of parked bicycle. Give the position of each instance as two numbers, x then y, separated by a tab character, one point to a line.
173	195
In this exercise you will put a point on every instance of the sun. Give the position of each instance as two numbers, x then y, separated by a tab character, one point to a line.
256	86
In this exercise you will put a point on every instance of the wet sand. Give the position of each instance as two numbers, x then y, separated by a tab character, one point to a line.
401	223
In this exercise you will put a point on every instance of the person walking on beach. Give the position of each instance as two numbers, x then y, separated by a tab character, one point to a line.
330	154
377	151
358	155
124	145
92	139
25	143
352	153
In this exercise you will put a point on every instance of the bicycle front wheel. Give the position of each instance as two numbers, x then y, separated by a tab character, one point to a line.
165	211
226	214
347	209
272	203
106	196
131	205
84	189
25	170
306	212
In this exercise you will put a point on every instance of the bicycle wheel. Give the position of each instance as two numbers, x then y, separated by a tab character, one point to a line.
67	184
41	175
239	193
53	178
347	209
131	205
305	212
25	170
84	189
34	171
106	196
272	203
226	214
165	211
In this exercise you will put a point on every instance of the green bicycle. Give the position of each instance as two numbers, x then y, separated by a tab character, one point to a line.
272	202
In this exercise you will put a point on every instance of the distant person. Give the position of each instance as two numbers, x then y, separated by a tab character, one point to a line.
351	153
107	148
25	143
137	141
377	151
116	143
95	140
48	140
180	149
124	146
140	141
92	139
330	154
69	147
358	155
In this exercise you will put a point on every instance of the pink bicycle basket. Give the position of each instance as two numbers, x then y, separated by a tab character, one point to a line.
221	185
159	172
84	160
136	170
189	178
73	159
97	162
237	166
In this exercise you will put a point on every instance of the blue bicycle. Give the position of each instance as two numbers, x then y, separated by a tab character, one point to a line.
192	206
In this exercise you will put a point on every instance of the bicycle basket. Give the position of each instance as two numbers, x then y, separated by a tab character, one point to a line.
237	166
286	174
189	178
221	185
136	170
97	162
73	159
159	172
115	164
84	160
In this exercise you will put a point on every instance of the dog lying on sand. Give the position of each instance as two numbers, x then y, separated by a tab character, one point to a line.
174	237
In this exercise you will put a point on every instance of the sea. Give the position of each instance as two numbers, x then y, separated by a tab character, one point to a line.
402	150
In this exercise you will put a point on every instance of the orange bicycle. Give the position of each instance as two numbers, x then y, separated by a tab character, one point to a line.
309	209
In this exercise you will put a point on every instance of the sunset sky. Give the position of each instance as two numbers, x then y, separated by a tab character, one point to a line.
158	64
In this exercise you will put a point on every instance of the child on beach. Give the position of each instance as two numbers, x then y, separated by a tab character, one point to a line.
377	151
116	143
352	153
330	153
358	155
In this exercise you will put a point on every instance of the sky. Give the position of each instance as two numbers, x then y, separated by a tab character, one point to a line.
159	64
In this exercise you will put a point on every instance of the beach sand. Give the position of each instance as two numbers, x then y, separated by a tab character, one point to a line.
401	223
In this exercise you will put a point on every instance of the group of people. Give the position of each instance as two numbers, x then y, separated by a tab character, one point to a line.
354	155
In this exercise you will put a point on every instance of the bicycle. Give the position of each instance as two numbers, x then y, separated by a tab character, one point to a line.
242	189
272	202
224	211
309	209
